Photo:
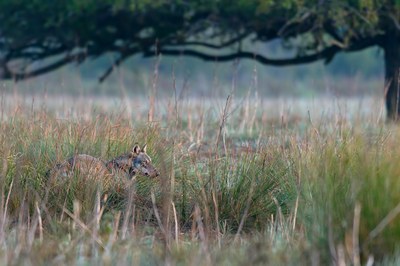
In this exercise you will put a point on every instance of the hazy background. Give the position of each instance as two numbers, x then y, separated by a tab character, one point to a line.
348	75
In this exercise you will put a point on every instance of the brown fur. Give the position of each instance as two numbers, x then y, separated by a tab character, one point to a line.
128	165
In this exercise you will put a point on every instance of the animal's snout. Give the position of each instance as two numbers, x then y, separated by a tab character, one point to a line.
152	174
156	173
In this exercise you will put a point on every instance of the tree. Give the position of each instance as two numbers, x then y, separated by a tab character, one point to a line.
38	36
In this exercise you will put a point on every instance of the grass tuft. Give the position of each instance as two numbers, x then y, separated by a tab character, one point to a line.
240	187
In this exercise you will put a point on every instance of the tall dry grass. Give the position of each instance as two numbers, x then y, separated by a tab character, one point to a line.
243	181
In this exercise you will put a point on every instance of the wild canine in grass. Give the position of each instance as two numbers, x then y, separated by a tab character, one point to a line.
128	165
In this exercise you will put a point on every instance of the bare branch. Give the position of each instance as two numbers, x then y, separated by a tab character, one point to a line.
297	25
394	20
211	45
327	54
116	63
331	30
8	74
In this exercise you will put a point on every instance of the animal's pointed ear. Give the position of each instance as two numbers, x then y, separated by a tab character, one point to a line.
144	148
136	149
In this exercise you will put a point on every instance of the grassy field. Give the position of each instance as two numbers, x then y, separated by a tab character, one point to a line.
243	181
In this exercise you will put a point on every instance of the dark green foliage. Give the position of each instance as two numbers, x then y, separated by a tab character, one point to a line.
76	30
41	36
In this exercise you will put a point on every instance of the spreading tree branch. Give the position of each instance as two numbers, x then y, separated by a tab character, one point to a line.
116	63
326	54
8	74
211	45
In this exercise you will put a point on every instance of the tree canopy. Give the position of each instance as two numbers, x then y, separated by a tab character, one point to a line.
38	36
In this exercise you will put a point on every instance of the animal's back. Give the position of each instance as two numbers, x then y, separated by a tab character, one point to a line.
83	165
116	172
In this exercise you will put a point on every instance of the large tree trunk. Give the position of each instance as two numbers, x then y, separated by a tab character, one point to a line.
392	83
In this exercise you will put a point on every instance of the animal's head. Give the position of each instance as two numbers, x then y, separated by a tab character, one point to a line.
141	163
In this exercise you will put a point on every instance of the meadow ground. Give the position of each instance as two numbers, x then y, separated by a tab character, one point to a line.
243	181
